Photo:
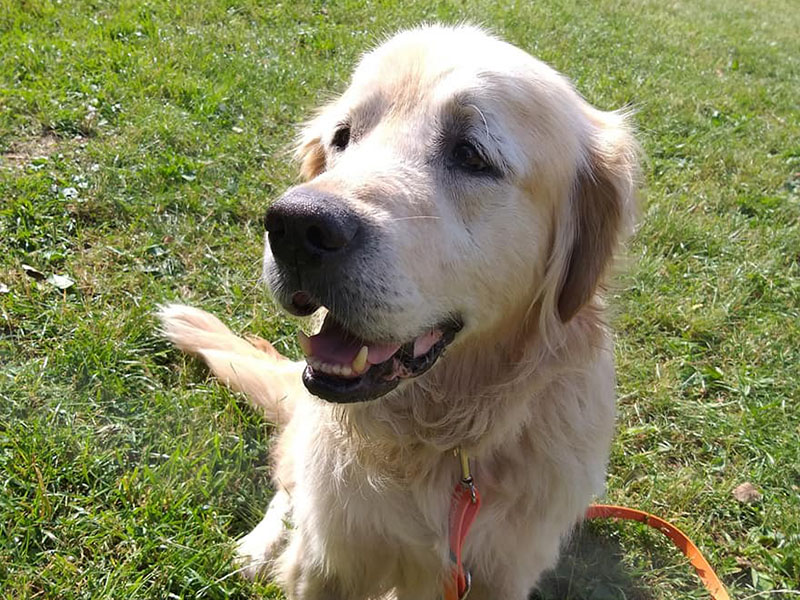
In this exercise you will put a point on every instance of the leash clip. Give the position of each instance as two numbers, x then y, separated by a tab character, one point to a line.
466	475
469	484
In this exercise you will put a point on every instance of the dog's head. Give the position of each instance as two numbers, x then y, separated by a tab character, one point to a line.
456	182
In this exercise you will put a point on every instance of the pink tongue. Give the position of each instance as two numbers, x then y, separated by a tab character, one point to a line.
336	346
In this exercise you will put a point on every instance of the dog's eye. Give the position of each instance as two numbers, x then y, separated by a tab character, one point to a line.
468	158
341	138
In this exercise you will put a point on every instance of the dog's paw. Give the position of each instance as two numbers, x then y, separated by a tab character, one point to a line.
188	327
252	558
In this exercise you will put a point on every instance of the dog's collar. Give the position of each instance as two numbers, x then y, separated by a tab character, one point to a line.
464	507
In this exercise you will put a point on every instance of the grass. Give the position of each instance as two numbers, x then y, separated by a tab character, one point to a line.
140	143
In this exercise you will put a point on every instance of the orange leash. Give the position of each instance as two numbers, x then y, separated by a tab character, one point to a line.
680	539
466	502
464	507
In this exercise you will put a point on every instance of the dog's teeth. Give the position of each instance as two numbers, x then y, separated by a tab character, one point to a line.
305	343
329	368
360	361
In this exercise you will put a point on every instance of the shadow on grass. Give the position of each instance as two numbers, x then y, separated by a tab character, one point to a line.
591	568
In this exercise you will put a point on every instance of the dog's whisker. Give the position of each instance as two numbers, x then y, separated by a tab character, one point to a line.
414	218
483	117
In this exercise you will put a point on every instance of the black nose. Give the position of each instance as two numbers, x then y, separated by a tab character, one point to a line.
309	226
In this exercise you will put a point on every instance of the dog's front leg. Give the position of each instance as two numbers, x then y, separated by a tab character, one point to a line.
258	550
303	577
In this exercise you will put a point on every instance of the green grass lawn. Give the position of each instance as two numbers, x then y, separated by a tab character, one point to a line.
140	143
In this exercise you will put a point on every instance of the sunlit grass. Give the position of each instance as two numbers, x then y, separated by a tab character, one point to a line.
140	144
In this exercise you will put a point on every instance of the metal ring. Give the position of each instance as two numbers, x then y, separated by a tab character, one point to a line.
467	584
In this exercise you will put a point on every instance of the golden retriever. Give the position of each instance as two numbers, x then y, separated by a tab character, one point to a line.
461	205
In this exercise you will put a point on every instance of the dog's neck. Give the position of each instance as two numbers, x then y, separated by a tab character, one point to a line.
479	395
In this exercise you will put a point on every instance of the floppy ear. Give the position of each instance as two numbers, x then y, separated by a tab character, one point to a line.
602	209
310	153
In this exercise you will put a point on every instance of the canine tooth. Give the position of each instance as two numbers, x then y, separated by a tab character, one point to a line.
360	361
305	343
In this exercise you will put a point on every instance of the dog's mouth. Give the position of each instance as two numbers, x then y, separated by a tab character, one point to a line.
344	368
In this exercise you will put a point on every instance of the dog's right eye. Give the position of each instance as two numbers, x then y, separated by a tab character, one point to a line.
466	156
341	138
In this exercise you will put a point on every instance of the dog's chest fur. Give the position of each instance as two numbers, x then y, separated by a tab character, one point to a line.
371	499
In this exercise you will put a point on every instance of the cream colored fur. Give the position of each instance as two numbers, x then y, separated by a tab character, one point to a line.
363	490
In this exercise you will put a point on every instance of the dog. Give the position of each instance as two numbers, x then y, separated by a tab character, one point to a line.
460	208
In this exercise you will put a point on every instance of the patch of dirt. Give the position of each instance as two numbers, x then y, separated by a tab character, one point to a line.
23	152
746	493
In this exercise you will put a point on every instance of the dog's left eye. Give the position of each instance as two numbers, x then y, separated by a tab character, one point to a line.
341	138
467	157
